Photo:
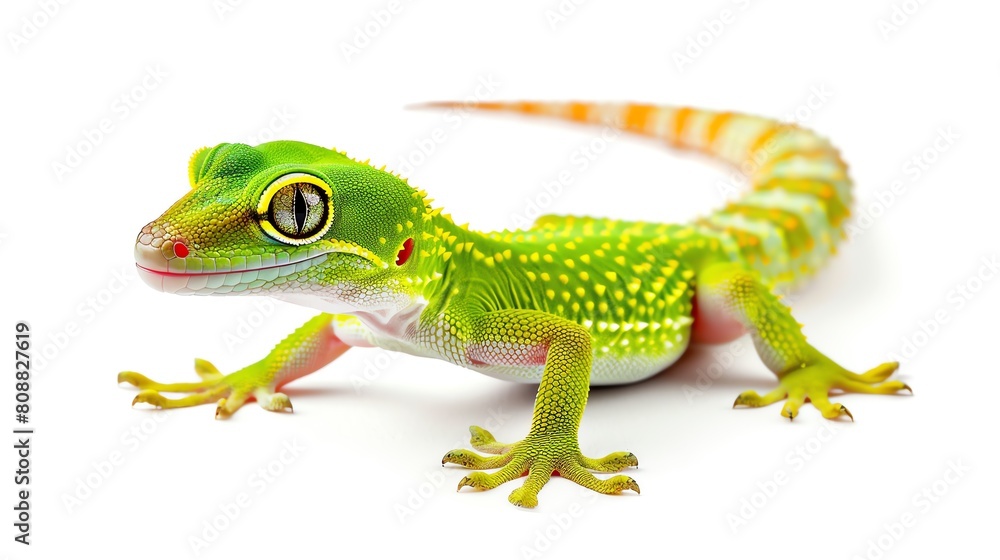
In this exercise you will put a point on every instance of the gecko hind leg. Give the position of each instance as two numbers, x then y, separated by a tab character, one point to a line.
730	292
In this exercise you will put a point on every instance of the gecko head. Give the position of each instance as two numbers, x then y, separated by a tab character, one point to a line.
285	219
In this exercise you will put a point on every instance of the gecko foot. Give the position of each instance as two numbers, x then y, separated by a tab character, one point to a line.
538	456
814	382
229	392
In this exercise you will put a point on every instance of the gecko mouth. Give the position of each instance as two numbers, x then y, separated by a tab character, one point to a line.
222	275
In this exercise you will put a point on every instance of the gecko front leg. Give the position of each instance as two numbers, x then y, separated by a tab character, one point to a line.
551	444
310	347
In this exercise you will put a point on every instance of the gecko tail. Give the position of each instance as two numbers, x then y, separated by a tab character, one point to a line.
794	192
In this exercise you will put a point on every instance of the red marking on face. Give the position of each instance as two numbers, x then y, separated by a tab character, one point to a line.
405	252
180	249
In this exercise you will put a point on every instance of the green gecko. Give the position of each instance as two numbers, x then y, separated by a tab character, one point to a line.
569	302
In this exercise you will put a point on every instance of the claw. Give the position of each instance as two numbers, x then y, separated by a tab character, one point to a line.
847	412
633	485
220	410
149	397
814	383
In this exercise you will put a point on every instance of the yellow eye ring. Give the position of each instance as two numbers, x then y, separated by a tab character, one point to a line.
296	209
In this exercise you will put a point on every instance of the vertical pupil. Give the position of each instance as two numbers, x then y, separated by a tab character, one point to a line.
300	208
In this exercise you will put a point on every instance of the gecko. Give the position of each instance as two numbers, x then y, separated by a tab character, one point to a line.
570	302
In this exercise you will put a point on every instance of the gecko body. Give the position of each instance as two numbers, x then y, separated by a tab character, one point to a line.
570	302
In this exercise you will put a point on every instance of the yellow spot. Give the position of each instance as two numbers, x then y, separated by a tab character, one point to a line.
446	256
620	260
581	292
523	258
534	257
584	276
570	245
619	295
564	279
546	277
588	305
606	246
602	307
599	288
531	276
547	258
599	252
687	274
566	296
649	296
570	263
382	240
477	254
575	306
633	286
551	294
610	275
585	259
552	247
399	228
498	257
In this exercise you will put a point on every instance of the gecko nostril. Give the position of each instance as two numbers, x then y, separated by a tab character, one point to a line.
180	249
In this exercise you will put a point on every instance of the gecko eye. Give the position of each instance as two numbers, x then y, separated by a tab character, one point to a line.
296	209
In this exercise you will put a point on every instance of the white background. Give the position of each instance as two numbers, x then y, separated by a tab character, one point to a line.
368	479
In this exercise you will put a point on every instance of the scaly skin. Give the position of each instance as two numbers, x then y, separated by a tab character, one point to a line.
569	302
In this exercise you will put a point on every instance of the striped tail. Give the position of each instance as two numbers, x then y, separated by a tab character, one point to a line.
789	223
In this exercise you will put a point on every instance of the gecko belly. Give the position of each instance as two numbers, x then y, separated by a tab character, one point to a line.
610	367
